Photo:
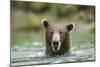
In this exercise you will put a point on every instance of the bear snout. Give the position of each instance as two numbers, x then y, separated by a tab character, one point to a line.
55	44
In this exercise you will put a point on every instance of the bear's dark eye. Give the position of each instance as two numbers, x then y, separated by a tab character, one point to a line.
60	32
51	32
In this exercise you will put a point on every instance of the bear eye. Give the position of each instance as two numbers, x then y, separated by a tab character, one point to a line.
51	32
60	32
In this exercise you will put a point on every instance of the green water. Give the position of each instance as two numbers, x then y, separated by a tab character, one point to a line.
28	48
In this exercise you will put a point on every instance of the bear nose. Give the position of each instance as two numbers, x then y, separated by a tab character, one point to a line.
55	43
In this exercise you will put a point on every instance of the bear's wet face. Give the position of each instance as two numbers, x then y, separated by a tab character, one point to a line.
56	35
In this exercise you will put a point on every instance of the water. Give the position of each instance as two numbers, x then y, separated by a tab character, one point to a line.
29	49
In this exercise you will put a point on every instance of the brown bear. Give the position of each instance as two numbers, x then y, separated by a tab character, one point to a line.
57	38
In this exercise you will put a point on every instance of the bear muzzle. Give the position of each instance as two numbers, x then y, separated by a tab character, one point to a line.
56	45
56	42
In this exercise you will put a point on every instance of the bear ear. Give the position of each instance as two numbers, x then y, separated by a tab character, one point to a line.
45	23
70	27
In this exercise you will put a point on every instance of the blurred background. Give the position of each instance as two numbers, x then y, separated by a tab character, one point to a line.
27	32
26	21
28	15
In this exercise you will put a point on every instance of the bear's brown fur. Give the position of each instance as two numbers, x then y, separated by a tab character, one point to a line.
64	32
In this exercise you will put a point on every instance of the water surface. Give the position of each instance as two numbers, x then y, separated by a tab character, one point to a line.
28	48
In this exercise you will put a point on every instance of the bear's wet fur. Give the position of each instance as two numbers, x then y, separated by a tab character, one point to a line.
63	31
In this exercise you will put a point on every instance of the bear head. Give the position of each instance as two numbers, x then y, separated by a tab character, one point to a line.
56	35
